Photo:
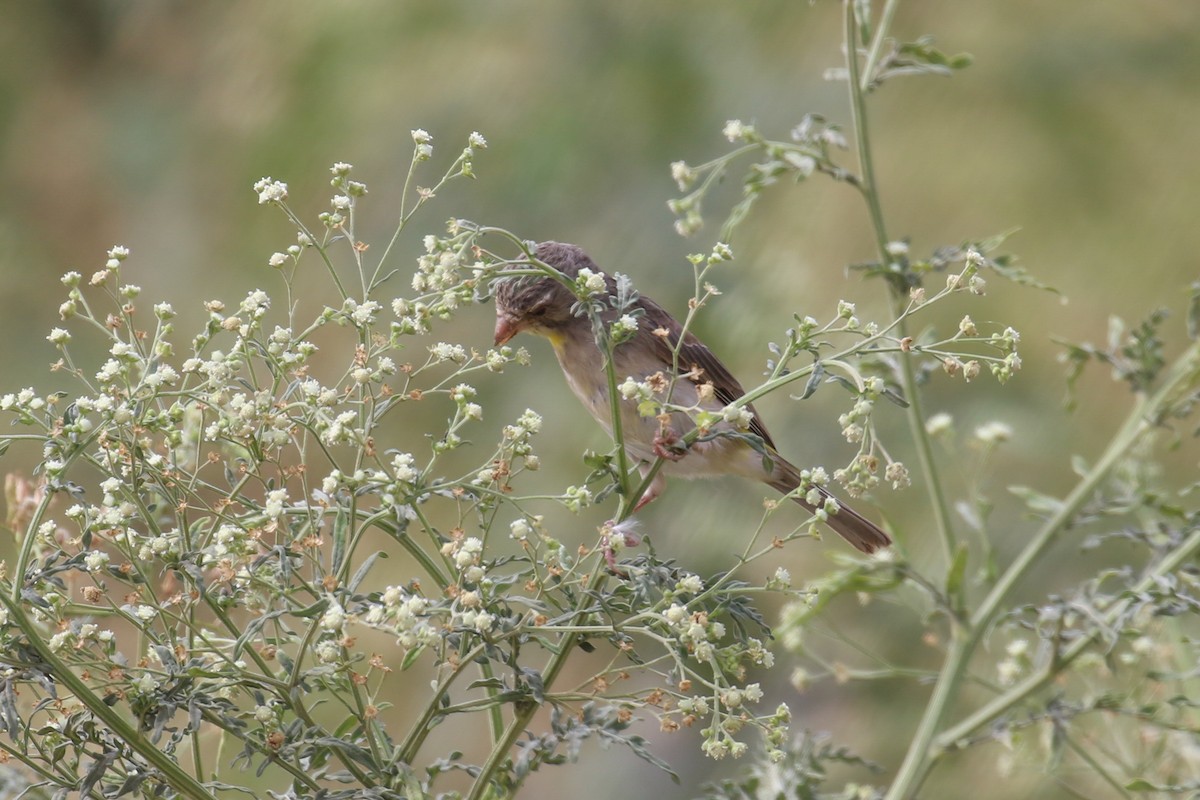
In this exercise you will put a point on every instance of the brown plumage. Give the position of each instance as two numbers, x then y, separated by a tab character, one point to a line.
542	305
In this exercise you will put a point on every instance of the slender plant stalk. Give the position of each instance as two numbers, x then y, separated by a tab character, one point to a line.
921	754
525	712
172	774
870	191
1044	676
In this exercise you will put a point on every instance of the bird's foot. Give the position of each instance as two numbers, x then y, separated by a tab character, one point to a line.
617	536
668	446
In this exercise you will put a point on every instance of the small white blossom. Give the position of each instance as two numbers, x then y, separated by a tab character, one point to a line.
993	432
590	283
334	618
735	129
96	560
519	529
626	325
443	351
273	508
271	191
939	424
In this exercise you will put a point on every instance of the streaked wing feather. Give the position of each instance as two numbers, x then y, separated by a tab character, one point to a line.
694	353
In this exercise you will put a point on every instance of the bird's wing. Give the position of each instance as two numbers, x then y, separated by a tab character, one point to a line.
693	354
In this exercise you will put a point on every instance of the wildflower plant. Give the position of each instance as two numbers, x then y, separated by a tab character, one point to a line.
226	561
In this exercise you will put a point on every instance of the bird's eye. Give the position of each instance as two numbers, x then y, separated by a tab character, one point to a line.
538	311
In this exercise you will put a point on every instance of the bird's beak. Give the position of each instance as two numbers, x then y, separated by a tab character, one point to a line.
506	328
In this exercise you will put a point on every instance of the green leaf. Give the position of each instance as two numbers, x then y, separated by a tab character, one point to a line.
411	657
311	611
895	397
954	577
1036	501
814	380
341	525
1142	785
361	573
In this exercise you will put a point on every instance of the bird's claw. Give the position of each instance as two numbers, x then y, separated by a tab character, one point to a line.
623	532
667	446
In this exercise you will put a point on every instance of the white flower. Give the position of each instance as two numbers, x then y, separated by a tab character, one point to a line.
277	259
328	652
683	175
675	614
734	129
334	618
519	529
591	283
164	374
145	683
781	579
59	336
420	136
271	191
443	351
739	418
96	560
691	584
627	324
993	432
1007	671
721	252
274	505
939	424
402	466
476	140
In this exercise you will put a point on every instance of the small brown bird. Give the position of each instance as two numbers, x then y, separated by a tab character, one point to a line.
543	306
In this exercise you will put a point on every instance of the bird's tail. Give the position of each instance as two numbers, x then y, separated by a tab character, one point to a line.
847	523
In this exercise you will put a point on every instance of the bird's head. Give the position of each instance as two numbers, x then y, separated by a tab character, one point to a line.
539	304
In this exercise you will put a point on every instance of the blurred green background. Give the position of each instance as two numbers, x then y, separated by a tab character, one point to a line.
146	123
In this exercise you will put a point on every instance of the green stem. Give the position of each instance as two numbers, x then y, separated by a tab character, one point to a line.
870	192
525	712
877	42
172	773
921	755
1039	680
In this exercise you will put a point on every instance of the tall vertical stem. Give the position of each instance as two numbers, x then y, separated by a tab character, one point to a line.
870	191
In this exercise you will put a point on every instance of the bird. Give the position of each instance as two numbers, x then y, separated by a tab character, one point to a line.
544	306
